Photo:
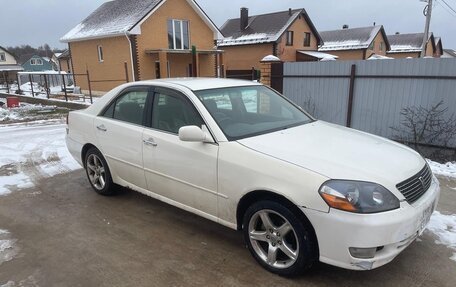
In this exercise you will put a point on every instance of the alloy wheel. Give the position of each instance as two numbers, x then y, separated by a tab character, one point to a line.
273	239
96	171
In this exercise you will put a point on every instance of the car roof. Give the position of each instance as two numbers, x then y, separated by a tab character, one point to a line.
198	84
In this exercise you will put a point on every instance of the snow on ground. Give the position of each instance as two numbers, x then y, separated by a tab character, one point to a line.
447	169
444	227
29	154
30	112
8	247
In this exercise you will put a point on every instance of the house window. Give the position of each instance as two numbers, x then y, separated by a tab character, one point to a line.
2	57
100	53
39	62
32	62
290	35
372	45
178	35
381	46
306	39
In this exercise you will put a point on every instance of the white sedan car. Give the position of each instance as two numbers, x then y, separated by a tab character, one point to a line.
240	154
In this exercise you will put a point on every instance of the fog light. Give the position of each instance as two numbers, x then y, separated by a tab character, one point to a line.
363	253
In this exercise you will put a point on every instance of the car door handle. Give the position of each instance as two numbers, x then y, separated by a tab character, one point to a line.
150	142
102	128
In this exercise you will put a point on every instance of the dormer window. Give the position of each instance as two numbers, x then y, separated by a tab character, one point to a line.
178	35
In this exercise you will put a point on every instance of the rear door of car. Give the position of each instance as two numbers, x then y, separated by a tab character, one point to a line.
119	130
184	172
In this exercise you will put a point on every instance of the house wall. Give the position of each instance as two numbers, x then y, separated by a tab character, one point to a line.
299	27
245	57
154	35
65	65
429	49
28	67
116	51
10	60
404	55
377	42
348	55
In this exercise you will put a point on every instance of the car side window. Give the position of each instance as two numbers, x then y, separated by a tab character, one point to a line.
129	107
171	111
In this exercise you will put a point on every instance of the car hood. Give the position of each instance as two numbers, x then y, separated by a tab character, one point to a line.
340	153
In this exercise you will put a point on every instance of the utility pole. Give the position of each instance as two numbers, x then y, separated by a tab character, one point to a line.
428	14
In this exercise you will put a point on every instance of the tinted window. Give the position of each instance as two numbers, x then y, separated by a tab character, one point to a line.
129	107
172	111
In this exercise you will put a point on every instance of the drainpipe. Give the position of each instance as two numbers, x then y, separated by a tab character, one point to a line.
131	57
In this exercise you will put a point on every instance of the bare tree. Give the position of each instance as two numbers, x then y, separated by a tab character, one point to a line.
422	128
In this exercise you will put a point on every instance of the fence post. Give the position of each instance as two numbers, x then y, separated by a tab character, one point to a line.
7	85
351	95
46	86
126	72
64	88
31	85
18	91
90	86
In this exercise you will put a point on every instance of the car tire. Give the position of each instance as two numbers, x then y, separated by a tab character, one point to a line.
280	240
98	173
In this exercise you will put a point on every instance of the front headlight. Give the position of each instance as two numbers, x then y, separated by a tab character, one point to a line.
358	196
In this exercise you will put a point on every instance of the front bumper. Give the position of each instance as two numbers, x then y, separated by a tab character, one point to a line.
391	232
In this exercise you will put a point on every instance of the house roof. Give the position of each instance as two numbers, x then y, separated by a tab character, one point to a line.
351	39
407	43
318	55
11	68
64	55
121	17
451	53
265	28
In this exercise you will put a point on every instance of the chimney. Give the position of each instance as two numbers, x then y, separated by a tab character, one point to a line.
244	18
289	12
345	27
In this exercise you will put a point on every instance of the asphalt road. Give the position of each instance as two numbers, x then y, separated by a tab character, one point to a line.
67	235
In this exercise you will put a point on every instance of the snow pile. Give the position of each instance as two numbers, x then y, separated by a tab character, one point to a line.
444	227
8	248
30	112
448	169
37	88
30	154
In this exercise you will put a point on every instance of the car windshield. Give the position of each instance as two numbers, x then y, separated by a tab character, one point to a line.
248	111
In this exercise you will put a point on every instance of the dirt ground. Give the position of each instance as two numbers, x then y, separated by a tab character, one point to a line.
66	235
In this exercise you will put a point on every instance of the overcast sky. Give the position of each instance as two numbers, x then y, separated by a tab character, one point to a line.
36	22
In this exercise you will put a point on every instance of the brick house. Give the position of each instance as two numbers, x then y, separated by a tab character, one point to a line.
355	43
284	34
143	39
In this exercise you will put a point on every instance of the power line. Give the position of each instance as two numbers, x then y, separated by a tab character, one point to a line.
448	10
448	5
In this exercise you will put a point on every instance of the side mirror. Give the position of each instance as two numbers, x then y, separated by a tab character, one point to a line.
194	134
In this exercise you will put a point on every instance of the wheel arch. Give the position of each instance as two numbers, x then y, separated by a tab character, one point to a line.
258	195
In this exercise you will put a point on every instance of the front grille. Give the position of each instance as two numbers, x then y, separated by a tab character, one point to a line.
414	187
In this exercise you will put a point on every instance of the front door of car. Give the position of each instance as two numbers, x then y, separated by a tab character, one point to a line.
184	172
119	132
